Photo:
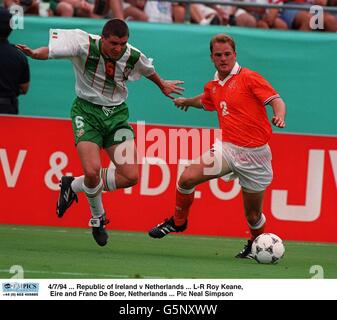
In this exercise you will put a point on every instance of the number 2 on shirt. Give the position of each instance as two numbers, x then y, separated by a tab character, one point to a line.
223	106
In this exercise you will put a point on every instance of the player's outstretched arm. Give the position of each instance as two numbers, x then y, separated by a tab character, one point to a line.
168	87
279	109
184	103
39	53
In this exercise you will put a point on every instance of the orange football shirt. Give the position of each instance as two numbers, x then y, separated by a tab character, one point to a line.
240	103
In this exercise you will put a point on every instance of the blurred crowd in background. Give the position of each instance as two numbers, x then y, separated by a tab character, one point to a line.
180	12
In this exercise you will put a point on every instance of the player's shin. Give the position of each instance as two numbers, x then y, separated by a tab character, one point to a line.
258	227
184	200
94	196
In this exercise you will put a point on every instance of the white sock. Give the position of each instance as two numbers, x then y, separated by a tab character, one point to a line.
260	223
108	176
94	196
77	184
184	191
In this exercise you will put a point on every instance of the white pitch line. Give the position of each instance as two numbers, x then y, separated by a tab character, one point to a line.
79	274
181	237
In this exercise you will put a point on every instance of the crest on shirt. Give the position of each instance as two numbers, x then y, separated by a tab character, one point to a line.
213	89
232	84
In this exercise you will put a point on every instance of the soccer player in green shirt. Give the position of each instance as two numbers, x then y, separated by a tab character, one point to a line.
102	64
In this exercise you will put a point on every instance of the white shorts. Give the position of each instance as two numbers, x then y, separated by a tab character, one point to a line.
251	165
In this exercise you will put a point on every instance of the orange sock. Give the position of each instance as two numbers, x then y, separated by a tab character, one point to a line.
258	228
184	200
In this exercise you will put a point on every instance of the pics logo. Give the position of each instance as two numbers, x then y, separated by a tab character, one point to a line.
20	289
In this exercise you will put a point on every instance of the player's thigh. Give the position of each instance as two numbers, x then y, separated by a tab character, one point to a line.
116	128
208	166
89	154
124	157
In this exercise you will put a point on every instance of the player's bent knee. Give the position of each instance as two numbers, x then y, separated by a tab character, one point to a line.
187	181
92	174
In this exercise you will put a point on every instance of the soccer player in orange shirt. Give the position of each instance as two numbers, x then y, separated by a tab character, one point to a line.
239	96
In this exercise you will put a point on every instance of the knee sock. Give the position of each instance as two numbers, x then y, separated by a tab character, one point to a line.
184	200
77	184
94	196
108	178
258	227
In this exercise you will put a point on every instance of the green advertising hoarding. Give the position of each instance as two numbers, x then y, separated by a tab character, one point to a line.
301	66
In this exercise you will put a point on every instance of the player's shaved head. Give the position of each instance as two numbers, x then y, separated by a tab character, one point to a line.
222	38
115	27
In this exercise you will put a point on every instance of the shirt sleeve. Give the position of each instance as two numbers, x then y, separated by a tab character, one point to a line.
66	43
261	88
143	67
206	100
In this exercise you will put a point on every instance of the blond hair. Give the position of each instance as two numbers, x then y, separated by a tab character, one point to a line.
222	38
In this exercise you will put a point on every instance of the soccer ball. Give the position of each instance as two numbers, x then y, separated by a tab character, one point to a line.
268	248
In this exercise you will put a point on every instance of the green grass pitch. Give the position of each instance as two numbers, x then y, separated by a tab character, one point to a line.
71	253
